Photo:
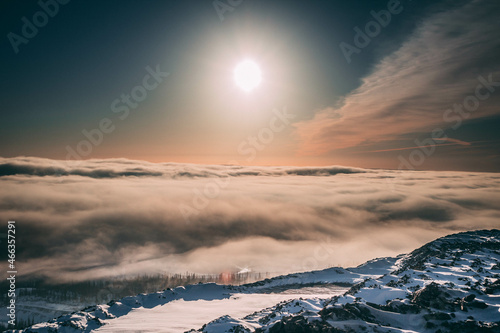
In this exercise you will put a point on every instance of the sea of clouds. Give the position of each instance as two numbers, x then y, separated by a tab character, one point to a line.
86	219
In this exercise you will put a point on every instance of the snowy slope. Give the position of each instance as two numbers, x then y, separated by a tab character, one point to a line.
337	275
165	311
448	285
253	297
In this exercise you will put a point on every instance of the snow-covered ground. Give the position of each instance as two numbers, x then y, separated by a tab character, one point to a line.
449	285
181	315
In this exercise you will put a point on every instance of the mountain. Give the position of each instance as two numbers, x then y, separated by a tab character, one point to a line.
448	285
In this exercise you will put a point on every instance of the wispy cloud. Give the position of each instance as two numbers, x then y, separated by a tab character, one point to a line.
410	90
452	142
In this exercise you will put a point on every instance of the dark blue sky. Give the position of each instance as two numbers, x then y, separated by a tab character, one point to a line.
66	77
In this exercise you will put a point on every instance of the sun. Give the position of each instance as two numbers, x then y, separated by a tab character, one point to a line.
247	75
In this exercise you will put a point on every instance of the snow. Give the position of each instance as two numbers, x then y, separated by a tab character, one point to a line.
183	315
442	284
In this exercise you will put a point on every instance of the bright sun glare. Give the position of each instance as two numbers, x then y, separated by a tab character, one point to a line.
247	75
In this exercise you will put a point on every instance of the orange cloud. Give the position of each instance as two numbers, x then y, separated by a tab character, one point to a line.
410	90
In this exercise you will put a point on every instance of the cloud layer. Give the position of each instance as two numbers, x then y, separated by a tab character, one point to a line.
275	219
410	90
113	168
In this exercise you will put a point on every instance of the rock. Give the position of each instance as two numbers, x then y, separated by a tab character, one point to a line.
299	324
433	296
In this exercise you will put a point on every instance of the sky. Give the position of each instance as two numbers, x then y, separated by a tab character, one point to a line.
369	84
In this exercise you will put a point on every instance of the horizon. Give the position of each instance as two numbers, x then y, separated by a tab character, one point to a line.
230	164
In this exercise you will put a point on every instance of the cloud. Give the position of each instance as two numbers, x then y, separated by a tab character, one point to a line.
410	90
274	219
451	142
455	141
113	168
